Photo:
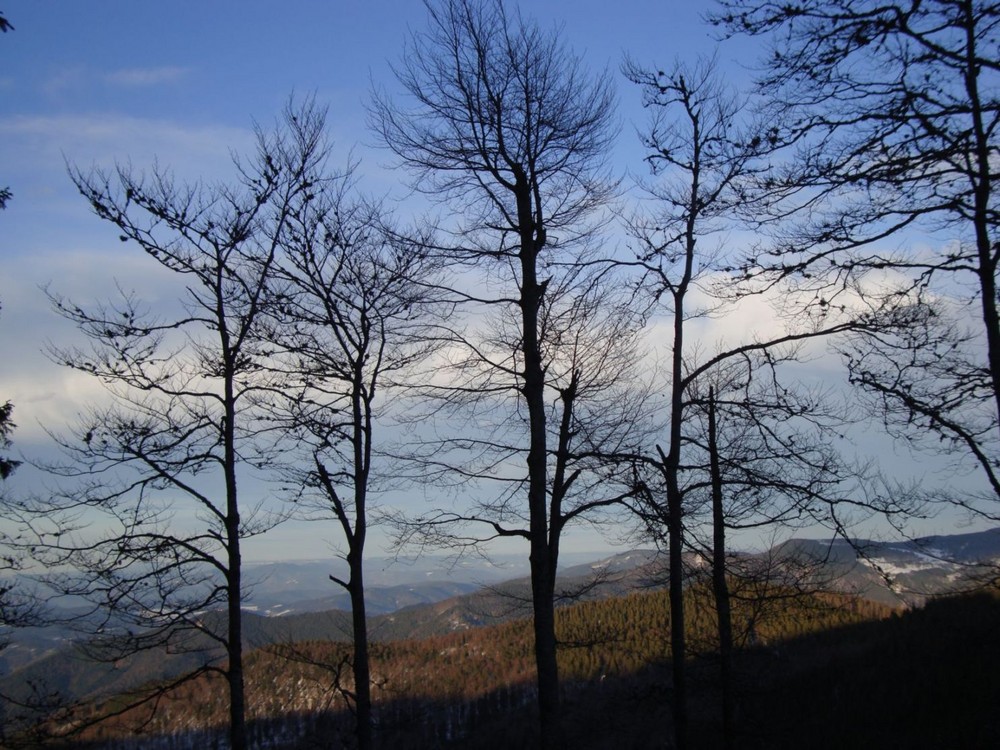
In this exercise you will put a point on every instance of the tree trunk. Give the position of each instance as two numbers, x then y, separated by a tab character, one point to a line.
678	646
234	651
363	437
675	497
234	582
362	670
542	561
720	587
543	610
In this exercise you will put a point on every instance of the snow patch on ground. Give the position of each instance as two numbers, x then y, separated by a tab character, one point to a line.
896	568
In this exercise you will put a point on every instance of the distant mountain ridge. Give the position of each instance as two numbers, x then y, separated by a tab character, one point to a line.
290	602
903	572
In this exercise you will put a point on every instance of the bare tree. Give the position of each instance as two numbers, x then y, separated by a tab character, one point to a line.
765	453
510	133
353	302
894	109
709	160
159	471
704	164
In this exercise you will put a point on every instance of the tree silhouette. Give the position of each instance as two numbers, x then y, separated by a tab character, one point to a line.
893	109
709	161
159	470
351	306
505	128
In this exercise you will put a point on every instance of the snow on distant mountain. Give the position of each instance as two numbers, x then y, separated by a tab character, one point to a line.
906	572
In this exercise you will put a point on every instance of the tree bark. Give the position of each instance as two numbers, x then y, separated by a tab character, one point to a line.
362	463
542	559
234	642
361	667
720	587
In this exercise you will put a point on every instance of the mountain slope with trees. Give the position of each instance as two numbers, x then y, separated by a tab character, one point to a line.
918	678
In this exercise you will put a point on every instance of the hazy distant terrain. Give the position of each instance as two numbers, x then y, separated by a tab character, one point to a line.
296	601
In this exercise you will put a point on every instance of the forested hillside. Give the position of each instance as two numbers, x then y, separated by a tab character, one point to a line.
916	678
452	684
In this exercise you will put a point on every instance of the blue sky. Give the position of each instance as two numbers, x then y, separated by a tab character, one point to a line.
182	82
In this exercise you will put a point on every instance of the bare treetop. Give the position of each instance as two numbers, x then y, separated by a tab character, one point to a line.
498	103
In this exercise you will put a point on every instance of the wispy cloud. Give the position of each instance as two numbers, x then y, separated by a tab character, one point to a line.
40	142
81	78
67	79
142	77
47	396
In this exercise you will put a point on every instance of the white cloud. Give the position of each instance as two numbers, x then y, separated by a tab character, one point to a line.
79	78
46	395
50	238
50	398
72	78
203	151
142	77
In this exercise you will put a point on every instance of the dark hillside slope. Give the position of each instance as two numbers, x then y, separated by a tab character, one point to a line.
926	678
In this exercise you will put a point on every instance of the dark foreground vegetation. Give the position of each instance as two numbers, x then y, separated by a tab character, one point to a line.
818	672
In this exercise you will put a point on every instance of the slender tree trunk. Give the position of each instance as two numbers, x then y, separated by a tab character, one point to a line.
234	651
362	669
234	643
982	190
671	465
720	587
678	647
675	541
362	414
542	560
543	592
